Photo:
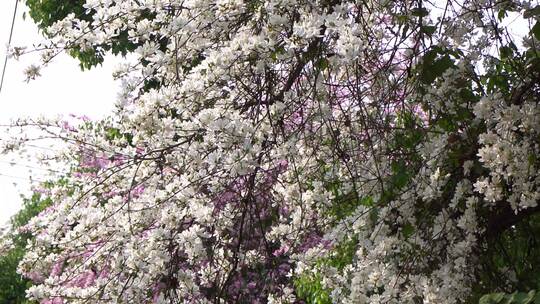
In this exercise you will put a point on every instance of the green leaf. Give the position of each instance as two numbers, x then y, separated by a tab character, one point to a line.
367	201
514	298
429	29
492	298
310	289
419	12
532	12
434	68
505	51
532	159
407	230
467	94
402	18
401	176
536	30
523	298
501	14
112	133
322	64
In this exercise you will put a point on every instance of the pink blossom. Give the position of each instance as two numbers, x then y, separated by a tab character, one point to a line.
35	277
67	127
57	268
281	251
55	300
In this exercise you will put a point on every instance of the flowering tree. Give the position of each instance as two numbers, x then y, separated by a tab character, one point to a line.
46	12
288	151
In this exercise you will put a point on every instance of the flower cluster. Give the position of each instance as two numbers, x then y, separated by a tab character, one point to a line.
261	144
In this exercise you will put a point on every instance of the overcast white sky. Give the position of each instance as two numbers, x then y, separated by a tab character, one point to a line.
63	89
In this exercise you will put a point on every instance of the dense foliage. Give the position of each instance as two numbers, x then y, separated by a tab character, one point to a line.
12	285
298	152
